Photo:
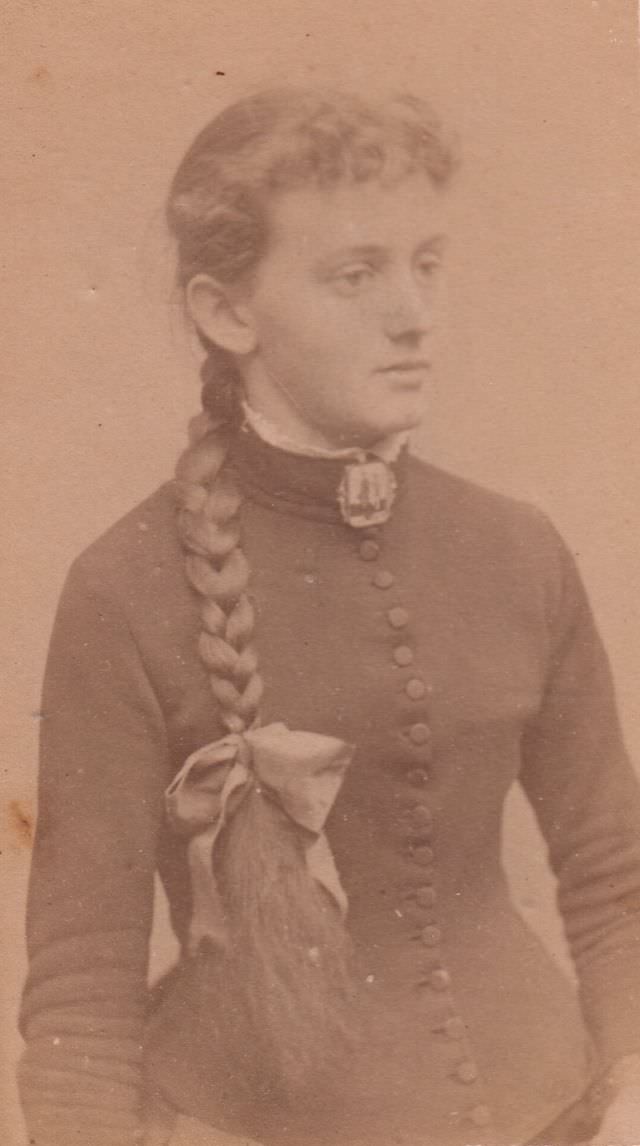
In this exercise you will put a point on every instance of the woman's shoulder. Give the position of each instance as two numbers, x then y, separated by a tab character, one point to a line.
493	524
463	497
135	555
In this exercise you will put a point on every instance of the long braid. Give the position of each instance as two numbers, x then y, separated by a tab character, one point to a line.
216	566
277	997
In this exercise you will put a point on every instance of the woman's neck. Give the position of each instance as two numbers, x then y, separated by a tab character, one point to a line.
308	445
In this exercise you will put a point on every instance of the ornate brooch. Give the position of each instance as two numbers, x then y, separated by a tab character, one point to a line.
366	493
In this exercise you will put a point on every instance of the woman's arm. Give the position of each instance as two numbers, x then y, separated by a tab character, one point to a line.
102	774
587	800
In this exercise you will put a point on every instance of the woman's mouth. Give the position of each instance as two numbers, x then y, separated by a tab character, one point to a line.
406	366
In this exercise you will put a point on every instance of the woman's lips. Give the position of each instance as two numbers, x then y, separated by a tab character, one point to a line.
409	366
407	374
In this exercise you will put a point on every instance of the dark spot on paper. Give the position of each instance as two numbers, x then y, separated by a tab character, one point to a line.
21	822
41	75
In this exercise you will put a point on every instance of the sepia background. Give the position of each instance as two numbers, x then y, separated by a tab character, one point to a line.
538	392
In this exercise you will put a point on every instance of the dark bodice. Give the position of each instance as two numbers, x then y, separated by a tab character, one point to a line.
396	640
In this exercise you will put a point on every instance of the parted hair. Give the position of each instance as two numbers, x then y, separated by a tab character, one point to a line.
285	974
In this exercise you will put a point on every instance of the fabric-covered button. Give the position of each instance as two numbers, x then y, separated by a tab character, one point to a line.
421	816
480	1115
414	914
425	896
403	655
383	579
454	1028
417	777
398	617
423	856
415	688
467	1071
440	979
419	733
369	549
431	936
419	822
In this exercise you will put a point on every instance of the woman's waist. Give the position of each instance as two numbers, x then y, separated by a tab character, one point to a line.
455	938
392	903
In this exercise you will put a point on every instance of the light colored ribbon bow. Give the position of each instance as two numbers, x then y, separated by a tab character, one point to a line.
301	771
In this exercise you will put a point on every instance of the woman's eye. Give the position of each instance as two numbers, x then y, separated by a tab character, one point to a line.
353	279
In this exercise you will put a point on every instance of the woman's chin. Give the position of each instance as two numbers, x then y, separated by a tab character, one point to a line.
375	427
397	423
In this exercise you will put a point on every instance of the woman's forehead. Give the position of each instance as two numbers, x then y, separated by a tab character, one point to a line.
318	220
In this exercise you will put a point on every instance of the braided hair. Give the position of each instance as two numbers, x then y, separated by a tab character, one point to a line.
283	1004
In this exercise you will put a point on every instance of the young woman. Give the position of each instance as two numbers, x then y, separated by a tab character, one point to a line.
298	682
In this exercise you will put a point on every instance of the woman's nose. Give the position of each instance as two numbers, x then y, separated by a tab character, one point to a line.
408	311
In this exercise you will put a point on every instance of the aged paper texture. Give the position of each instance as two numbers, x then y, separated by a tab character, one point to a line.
536	394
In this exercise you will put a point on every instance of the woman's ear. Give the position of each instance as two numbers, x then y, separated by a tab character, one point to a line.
220	315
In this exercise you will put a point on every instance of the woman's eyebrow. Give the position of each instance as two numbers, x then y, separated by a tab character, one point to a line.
437	243
372	251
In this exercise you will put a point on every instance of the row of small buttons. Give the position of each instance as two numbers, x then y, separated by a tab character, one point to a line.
419	821
398	618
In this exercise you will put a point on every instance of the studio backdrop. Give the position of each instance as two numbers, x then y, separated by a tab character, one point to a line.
537	393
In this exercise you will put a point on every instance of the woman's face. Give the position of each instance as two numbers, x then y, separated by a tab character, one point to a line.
343	309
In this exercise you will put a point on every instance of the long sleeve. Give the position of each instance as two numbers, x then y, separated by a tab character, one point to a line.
102	773
587	800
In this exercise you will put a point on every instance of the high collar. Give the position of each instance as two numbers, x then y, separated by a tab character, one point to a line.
302	485
386	449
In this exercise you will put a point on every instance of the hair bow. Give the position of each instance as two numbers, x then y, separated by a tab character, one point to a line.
301	771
